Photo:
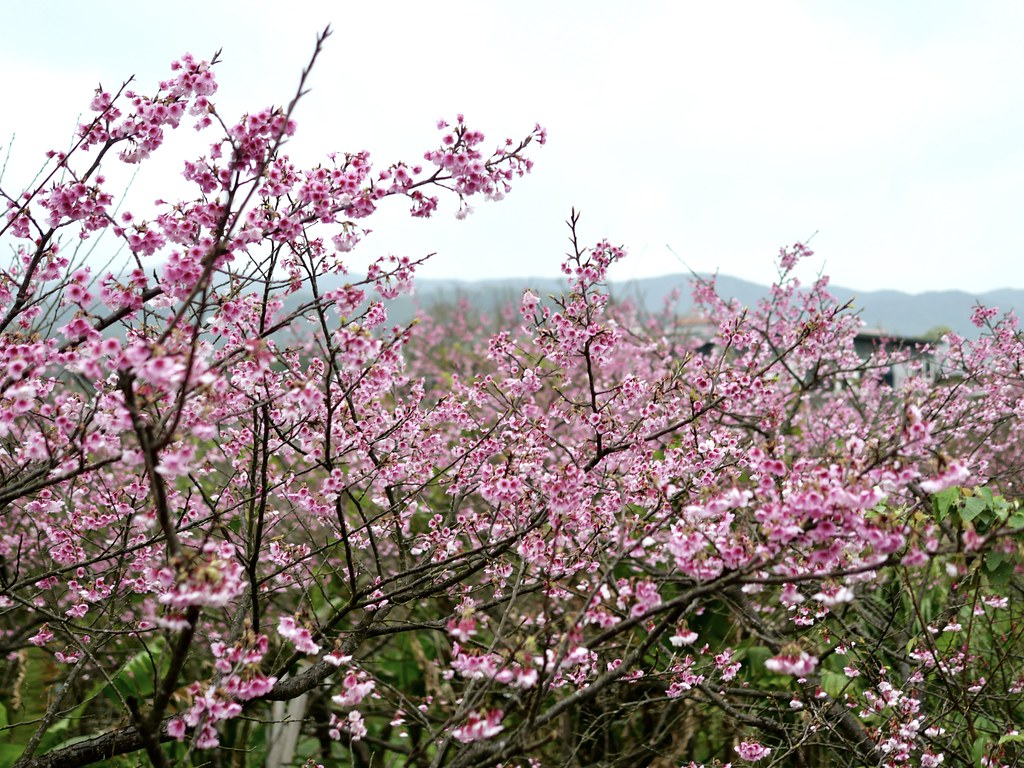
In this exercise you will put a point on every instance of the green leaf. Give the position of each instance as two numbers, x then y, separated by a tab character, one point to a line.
979	748
9	754
993	560
833	682
50	741
1002	508
38	670
55	734
1002	575
973	506
756	656
134	678
944	501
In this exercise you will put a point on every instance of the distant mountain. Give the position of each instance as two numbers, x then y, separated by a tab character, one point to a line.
907	314
897	312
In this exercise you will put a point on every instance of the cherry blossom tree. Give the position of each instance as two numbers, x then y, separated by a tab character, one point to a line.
248	520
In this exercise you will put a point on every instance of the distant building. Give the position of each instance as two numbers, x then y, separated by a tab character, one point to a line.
870	340
914	349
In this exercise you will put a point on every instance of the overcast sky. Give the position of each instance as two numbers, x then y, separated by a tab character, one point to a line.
701	135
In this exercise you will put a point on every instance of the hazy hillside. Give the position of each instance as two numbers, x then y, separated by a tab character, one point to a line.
895	311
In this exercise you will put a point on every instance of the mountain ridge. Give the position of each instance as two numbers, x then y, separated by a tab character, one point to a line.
892	311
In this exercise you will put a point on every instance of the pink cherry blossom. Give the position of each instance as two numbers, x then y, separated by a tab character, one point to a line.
479	725
798	664
300	636
228	451
752	751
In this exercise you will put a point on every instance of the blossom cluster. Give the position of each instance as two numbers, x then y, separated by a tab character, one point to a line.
229	462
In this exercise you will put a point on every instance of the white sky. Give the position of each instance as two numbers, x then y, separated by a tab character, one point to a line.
719	129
